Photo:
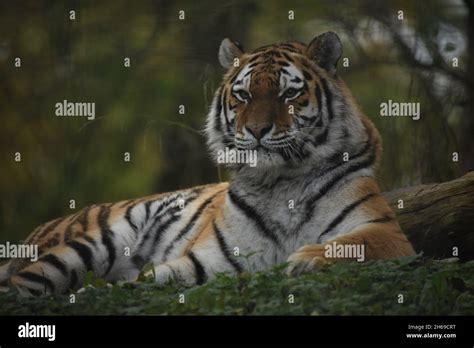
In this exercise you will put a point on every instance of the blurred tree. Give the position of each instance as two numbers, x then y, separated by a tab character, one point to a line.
466	134
173	62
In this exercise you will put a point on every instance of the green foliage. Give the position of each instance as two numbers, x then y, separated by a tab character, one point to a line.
428	287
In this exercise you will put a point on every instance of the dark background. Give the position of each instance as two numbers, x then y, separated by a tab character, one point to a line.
174	62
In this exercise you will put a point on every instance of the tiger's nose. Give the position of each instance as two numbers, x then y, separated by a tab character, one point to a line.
259	130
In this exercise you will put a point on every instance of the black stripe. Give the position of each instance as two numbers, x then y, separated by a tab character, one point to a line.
251	66
321	138
319	97
345	134
337	157
89	239
127	202
306	118
176	276
307	75
253	215
37	279
305	87
128	217
147	210
157	217
328	95
319	118
159	232
73	280
78	217
50	227
313	121
288	48
288	44
83	251
225	249
253	59
284	63
54	261
334	180
107	236
308	66
339	218
200	272
287	56
294	50
248	73
53	241
217	116
83	219
297	150
296	79
339	160
190	224
304	103
224	107
384	219
319	122
237	72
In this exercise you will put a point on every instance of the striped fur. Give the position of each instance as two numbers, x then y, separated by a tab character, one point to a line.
190	235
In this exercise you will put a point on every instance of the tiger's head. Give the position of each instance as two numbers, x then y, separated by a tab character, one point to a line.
286	102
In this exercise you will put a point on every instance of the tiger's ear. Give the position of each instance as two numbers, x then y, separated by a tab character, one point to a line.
228	51
326	49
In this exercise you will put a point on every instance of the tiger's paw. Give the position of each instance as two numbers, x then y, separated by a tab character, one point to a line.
307	259
164	274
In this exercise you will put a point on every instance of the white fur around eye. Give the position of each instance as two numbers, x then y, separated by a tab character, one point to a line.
287	81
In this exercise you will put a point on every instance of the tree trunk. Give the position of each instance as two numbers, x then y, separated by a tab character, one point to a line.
438	218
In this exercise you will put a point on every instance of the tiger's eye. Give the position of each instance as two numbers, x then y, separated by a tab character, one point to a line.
243	95
291	93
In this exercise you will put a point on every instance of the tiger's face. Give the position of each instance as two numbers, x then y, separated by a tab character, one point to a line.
280	101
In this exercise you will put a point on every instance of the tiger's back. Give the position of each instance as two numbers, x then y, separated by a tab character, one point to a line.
104	238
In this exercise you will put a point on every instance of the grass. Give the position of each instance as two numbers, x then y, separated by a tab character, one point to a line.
428	287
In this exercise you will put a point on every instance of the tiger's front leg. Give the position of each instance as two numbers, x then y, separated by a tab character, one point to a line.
193	268
206	256
376	241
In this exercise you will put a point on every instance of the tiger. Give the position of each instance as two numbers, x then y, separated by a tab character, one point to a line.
314	186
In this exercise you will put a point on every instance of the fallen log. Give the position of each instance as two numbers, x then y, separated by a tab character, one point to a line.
438	218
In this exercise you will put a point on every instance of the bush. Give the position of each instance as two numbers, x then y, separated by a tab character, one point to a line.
429	287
